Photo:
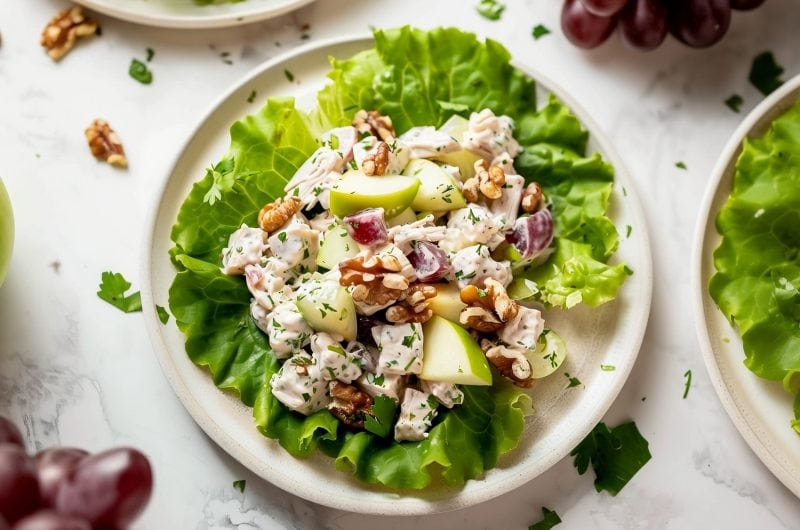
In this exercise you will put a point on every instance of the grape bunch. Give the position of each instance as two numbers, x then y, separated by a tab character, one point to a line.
644	24
63	488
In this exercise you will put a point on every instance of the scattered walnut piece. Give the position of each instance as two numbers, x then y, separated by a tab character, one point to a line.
60	34
532	197
413	305
275	214
488	181
349	404
377	162
105	144
374	124
376	280
496	306
510	362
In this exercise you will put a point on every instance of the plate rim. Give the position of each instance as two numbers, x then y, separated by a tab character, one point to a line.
723	171
418	506
194	21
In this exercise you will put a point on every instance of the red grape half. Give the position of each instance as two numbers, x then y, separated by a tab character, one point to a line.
604	8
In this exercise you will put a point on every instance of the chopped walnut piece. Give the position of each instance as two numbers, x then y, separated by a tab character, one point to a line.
60	34
376	280
105	144
377	162
349	404
480	319
510	362
532	197
488	181
488	309
374	124
275	214
412	305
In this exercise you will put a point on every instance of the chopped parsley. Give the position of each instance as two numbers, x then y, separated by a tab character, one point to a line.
380	418
765	73
734	102
491	9
252	97
549	519
680	165
139	71
573	381
688	384
378	379
282	237
226	58
615	455
113	287
289	75
540	31
628	230
150	54
240	485
222	179
163	316
608	367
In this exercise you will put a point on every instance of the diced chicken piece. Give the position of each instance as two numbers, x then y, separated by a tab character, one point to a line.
471	226
260	315
506	208
390	385
266	283
427	142
400	348
447	394
524	329
296	245
454	172
417	411
421	230
300	386
506	163
322	222
398	154
245	247
314	176
341	140
488	135
334	361
288	332
474	264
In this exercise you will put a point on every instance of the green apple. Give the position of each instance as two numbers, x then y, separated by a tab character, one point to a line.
455	127
327	307
549	354
464	160
6	231
447	302
336	247
403	218
438	191
451	355
356	191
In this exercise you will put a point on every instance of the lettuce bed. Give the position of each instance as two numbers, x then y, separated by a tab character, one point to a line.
758	262
418	78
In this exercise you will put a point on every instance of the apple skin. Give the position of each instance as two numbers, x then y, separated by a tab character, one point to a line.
437	191
356	191
451	355
6	231
327	307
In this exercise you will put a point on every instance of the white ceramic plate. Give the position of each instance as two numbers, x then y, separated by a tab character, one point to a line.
760	409
186	14
609	335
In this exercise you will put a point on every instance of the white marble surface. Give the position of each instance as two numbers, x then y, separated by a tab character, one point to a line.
75	371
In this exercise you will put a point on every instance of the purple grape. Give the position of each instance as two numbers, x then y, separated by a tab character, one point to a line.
109	489
50	520
604	8
4	524
430	262
745	5
699	23
55	465
644	24
582	28
533	234
19	488
9	434
367	226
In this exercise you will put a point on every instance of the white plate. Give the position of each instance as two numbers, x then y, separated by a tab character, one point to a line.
760	409
186	14
610	335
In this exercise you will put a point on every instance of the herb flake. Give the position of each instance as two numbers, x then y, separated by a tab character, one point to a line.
681	165
765	73
688	375
252	97
113	287
240	485
163	315
289	75
139	71
734	102
549	519
540	31
381	416
490	9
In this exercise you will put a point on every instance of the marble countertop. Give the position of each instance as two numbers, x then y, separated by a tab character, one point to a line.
75	371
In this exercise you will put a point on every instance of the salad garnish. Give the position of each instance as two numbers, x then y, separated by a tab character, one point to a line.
688	383
549	519
540	31
113	288
735	102
765	73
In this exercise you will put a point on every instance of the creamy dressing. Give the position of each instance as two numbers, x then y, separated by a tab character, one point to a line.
400	348
472	225
300	386
524	329
490	136
245	247
447	394
288	332
475	264
334	361
417	411
427	142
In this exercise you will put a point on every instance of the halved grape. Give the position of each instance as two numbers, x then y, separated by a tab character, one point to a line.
54	466
19	488
51	520
9	434
582	28
644	24
532	235
699	23
429	261
604	8
744	5
4	524
367	226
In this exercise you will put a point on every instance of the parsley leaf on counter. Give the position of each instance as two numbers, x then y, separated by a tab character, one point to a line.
680	165
491	9
289	75
113	286
139	71
615	454
688	384
382	418
163	315
240	485
765	73
734	102
150	54
573	381
549	519
540	31
252	97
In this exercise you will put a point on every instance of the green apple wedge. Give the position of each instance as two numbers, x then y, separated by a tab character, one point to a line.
447	302
464	159
451	355
336	247
549	354
327	307
403	218
6	231
438	191
356	191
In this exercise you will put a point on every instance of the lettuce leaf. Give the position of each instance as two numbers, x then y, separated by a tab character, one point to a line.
417	77
758	271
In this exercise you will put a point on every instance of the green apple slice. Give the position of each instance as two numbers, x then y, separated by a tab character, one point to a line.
336	247
447	302
451	355
438	191
455	127
327	307
464	160
549	354
356	191
403	218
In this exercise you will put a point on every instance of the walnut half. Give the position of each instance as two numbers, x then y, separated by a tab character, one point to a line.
275	214
376	280
60	34
510	362
413	305
374	124
349	404
488	181
488	309
105	144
